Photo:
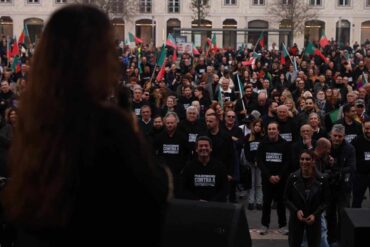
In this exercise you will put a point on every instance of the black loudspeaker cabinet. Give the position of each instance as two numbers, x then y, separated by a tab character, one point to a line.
355	227
195	223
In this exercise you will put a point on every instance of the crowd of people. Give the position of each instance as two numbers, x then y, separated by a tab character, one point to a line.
289	132
294	132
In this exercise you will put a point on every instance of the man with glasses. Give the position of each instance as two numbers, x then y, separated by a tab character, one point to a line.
146	96
236	134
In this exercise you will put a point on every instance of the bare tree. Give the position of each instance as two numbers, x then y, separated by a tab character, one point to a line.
294	12
124	9
200	9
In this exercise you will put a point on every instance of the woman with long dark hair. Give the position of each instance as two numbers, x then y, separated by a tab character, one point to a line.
78	170
252	141
306	196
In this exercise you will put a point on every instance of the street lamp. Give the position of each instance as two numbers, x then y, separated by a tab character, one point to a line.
339	31
153	31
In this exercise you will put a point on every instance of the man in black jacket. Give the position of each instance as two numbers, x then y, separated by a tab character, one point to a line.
340	179
172	149
222	145
273	159
361	179
204	178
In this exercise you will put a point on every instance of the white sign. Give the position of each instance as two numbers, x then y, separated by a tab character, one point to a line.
197	40
185	47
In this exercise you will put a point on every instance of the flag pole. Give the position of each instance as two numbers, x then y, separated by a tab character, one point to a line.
365	79
288	53
241	91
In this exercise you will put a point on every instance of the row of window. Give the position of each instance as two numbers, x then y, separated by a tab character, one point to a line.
343	3
174	5
145	6
33	1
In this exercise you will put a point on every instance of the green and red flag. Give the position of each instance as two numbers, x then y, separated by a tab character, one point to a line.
323	40
15	48
161	72
21	38
162	56
284	54
312	50
24	34
261	40
135	39
16	65
214	41
171	41
195	50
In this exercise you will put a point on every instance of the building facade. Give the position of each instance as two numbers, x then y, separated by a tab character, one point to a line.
343	20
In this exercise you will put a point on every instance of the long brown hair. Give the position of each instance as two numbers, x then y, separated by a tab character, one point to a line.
73	72
252	135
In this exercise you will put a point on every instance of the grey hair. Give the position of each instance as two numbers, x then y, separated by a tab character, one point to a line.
192	108
338	128
171	113
314	114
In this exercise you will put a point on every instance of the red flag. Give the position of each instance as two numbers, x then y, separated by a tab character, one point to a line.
195	51
209	42
174	56
282	59
324	41
249	62
138	40
15	49
21	38
318	53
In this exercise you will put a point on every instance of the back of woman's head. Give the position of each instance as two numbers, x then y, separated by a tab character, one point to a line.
75	59
72	74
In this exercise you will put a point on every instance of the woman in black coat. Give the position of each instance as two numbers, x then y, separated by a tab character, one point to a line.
306	197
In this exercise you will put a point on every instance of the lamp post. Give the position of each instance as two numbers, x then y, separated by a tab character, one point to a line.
339	31
153	31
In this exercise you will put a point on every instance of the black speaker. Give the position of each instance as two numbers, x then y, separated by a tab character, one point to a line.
355	227
196	223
